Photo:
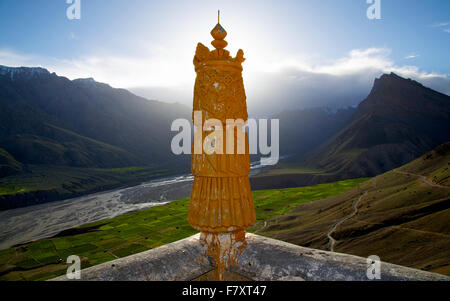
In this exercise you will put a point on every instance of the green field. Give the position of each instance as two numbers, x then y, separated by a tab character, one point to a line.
286	167
135	232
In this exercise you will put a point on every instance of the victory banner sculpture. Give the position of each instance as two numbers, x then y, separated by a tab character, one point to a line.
221	205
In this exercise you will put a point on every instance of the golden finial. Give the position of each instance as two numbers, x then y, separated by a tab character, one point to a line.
219	34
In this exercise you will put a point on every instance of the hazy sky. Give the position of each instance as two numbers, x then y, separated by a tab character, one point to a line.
299	53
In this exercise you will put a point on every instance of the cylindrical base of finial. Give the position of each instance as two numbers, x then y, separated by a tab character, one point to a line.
221	204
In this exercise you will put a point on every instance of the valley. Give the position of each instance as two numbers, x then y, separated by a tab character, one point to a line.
138	231
104	155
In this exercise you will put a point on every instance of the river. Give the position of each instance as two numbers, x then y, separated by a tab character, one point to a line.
32	223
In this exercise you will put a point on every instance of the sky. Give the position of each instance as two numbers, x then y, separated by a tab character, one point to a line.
300	53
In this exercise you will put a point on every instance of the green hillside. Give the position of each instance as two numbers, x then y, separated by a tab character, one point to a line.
8	165
44	183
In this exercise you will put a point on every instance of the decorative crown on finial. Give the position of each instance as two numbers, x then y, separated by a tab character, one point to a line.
204	56
219	34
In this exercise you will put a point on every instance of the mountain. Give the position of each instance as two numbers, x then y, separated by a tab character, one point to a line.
402	216
399	121
8	165
302	131
48	119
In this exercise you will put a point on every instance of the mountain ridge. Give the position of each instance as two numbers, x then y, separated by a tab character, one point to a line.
39	103
399	121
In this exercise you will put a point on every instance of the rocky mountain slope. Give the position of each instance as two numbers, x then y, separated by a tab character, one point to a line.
399	121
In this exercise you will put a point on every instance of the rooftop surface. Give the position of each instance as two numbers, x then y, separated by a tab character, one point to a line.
264	259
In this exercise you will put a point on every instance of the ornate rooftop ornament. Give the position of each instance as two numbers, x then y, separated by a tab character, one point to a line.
221	205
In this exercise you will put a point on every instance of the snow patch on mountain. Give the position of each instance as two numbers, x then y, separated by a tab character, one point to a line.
13	72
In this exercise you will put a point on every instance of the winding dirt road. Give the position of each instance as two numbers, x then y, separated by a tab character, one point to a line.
356	204
355	211
345	218
423	178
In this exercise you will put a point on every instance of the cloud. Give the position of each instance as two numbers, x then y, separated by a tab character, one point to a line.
440	24
297	83
411	56
161	69
273	83
11	58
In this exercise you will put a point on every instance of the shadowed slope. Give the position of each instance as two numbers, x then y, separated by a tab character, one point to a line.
399	121
402	218
49	119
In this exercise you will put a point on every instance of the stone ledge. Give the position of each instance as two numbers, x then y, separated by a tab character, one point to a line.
264	259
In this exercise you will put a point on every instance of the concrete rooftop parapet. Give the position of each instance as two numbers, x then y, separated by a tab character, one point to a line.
263	259
180	260
271	259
